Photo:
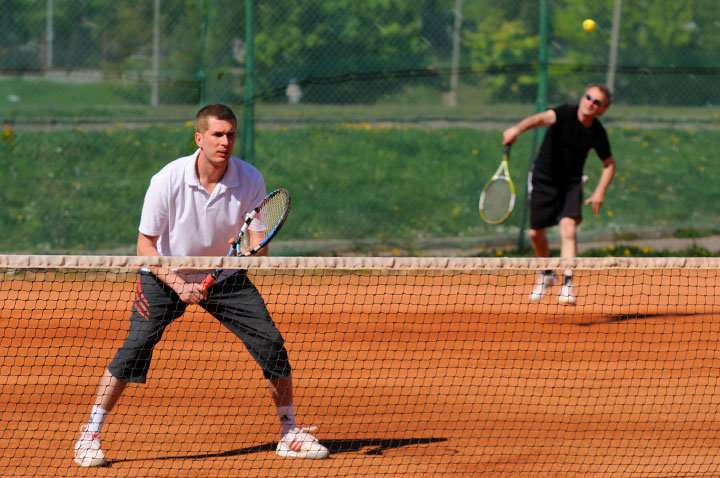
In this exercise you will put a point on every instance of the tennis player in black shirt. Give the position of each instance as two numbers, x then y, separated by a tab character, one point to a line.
556	177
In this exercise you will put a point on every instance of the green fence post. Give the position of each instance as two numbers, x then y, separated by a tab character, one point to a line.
249	113
202	74
541	106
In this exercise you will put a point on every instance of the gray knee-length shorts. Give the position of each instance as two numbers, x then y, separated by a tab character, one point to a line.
235	302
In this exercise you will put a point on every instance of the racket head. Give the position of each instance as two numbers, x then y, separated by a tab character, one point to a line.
266	220
496	200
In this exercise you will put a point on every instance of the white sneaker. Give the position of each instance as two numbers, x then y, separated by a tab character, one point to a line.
87	450
567	294
297	443
544	282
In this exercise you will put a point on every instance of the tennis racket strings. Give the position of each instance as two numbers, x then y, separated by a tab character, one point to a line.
497	200
269	217
498	196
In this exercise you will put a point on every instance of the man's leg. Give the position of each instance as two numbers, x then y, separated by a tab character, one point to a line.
281	391
294	442
539	242
568	237
546	278
238	305
109	391
282	395
88	451
154	307
568	249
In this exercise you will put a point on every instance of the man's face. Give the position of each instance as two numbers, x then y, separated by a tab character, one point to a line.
594	102
217	141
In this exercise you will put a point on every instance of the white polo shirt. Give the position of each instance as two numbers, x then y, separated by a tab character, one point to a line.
189	220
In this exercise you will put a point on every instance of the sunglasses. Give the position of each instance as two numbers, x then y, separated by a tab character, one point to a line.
594	101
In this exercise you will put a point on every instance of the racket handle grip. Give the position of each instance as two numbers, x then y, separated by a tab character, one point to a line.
208	281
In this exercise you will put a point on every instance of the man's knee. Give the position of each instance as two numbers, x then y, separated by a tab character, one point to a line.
537	234
568	228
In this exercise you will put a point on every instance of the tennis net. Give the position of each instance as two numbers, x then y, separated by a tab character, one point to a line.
407	366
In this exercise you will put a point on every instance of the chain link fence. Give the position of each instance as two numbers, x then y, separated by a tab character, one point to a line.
443	67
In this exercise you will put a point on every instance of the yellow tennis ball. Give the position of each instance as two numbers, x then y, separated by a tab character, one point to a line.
589	25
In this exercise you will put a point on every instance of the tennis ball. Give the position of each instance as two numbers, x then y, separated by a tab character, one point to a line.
589	25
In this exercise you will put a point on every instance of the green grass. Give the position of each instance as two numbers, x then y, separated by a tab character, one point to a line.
691	233
107	100
81	191
666	178
613	250
633	250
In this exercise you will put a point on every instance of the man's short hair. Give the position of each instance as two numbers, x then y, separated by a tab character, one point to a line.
605	89
217	111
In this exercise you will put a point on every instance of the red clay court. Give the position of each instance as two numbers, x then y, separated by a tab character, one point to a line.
407	367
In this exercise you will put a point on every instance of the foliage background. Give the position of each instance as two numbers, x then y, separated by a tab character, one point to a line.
377	152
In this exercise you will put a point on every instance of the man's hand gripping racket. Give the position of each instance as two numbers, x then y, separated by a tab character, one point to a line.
264	221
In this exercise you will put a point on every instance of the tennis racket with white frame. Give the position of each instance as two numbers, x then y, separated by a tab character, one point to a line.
263	222
497	198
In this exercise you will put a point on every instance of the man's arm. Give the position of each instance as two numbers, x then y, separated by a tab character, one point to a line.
189	292
256	237
540	120
598	196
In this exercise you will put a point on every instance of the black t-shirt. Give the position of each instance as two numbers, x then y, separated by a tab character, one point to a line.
565	148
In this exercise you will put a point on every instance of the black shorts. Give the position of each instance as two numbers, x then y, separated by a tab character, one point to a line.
550	202
235	302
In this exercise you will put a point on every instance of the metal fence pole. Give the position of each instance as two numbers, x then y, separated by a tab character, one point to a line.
155	94
249	113
541	106
49	35
202	74
612	60
454	76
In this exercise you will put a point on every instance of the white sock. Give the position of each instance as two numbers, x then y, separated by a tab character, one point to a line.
97	417
286	414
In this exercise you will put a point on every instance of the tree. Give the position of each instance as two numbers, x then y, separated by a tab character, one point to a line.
335	43
500	38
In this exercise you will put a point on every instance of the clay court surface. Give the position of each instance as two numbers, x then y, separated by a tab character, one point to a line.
444	374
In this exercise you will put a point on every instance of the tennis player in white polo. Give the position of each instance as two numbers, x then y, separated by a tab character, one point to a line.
193	207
